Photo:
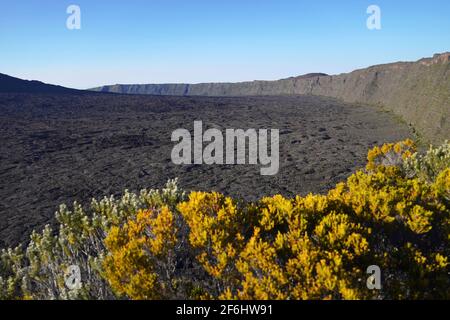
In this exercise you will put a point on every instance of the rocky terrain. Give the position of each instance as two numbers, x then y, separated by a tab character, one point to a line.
60	147
418	92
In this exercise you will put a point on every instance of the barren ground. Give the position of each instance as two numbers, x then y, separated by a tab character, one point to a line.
60	148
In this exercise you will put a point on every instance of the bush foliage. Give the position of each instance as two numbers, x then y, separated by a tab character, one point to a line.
395	214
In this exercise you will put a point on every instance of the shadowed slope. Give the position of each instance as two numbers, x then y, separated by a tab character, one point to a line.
12	84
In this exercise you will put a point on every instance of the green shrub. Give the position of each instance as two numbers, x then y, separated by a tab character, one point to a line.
39	270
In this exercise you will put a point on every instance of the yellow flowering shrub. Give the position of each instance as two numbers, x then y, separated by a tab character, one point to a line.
39	270
390	154
140	255
306	255
217	231
319	246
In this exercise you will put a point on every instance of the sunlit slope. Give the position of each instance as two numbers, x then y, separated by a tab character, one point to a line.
419	92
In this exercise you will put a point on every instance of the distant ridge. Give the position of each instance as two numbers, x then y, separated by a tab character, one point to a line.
419	92
12	84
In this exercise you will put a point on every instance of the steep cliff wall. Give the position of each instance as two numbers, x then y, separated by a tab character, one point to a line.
419	91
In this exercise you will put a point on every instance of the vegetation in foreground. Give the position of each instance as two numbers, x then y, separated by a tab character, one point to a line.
162	244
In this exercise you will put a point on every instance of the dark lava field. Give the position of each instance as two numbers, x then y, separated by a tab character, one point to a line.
57	148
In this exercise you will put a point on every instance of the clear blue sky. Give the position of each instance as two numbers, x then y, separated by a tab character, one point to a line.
159	41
